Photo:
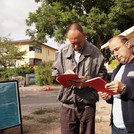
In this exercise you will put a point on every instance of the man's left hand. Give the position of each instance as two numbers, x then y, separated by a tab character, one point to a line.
115	86
79	83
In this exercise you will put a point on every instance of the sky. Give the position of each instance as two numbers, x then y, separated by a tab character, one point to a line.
13	14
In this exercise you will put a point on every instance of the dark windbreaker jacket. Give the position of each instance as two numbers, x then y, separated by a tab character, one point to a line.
127	99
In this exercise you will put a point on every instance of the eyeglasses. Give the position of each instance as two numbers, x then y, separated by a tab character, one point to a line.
116	50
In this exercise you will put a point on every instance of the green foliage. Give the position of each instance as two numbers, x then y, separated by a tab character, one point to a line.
7	73
122	13
26	69
9	53
114	64
44	73
99	26
100	20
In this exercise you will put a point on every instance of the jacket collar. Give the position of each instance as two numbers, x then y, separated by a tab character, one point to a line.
85	52
132	60
118	67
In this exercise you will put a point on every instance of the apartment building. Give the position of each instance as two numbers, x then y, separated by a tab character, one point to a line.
34	53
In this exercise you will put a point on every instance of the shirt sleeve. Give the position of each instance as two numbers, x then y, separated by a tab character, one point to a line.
129	91
102	71
57	67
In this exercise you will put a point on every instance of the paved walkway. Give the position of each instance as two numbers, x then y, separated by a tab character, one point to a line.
38	88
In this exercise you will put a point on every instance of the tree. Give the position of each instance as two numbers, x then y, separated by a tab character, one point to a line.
9	53
100	20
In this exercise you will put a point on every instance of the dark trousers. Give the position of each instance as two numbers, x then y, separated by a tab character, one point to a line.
116	130
81	121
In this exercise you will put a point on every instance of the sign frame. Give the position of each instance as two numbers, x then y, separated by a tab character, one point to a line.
10	98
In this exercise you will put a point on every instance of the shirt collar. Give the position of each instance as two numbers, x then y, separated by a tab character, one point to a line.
86	51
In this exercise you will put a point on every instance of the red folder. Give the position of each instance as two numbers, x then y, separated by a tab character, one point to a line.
99	84
64	79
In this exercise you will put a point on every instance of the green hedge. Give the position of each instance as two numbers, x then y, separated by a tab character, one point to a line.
43	73
6	74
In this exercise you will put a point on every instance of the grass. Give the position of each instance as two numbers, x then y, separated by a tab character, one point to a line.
46	110
50	115
98	120
103	107
48	119
28	117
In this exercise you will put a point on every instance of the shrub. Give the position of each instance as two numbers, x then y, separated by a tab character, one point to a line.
5	74
114	64
43	73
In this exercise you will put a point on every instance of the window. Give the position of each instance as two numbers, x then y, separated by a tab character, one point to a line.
37	49
34	61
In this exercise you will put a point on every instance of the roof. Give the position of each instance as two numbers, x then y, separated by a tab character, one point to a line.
129	33
27	40
21	41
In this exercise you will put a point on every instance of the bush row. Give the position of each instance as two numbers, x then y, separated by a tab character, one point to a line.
7	73
43	73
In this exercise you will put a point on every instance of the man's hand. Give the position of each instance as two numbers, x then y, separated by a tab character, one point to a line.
104	96
79	83
115	86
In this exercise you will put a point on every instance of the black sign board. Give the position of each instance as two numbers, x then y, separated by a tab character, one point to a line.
10	110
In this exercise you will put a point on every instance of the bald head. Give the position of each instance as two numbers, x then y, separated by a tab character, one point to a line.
121	38
76	36
74	27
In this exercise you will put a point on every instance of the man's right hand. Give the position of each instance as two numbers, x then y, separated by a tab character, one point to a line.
104	96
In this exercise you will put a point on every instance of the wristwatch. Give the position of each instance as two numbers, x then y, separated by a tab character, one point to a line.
123	90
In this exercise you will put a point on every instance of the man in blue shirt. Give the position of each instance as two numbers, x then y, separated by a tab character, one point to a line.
122	83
